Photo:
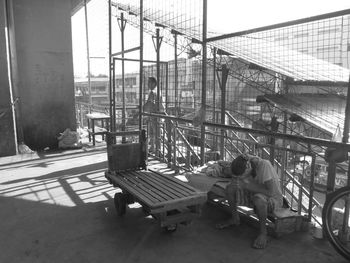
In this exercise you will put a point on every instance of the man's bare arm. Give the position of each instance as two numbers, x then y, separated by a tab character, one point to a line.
252	186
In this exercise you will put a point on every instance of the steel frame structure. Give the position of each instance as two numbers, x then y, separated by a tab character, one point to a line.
255	76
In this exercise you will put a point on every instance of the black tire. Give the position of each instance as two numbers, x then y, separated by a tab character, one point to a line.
327	218
120	204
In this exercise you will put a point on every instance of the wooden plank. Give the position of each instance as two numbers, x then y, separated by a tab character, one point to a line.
180	203
178	218
148	200
148	193
163	186
144	189
171	185
136	191
178	182
160	188
144	184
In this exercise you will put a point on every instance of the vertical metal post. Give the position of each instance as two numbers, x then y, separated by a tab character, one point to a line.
331	176
214	82
13	74
347	116
175	130
158	44
204	76
141	64
111	94
122	25
88	54
166	86
285	156
224	75
215	139
176	75
345	139
311	191
194	105
157	48
169	135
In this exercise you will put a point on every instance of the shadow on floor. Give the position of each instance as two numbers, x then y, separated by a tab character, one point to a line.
92	232
66	214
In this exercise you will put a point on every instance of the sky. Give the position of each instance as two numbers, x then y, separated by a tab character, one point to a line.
224	16
248	14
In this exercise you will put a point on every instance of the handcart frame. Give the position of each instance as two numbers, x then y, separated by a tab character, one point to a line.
169	200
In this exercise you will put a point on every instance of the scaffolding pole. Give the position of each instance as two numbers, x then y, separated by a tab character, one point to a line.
157	46
122	26
204	77
88	54
141	64
176	74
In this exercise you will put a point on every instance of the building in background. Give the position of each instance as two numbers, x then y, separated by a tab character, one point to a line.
99	90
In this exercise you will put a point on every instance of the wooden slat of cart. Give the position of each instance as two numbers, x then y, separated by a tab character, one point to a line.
144	189
188	201
162	185
158	189
141	180
133	189
177	182
167	184
171	185
151	189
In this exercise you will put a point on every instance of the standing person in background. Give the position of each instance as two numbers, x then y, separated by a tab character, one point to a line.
255	183
151	106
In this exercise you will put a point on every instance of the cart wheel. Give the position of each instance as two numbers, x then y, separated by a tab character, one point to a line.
145	211
170	228
120	204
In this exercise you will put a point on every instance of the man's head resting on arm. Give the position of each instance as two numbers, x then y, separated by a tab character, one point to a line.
242	166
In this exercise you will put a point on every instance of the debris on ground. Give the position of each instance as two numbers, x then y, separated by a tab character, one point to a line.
69	140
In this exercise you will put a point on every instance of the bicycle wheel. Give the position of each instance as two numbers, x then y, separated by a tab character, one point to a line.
336	221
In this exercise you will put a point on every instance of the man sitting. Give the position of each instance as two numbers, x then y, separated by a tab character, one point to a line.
254	183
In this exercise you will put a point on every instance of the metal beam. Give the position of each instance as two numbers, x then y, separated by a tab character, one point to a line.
204	76
125	51
280	25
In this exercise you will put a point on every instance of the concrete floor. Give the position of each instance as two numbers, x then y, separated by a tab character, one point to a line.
58	207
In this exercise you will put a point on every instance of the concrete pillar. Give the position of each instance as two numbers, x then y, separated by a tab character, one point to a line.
45	69
7	135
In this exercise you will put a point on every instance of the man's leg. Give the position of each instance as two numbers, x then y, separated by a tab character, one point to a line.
261	207
231	194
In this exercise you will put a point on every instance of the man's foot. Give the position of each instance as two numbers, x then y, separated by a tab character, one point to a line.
234	221
260	242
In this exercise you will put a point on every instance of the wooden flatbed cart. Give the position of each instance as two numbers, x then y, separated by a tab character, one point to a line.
167	199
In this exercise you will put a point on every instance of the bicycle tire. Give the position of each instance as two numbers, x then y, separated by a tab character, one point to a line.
327	216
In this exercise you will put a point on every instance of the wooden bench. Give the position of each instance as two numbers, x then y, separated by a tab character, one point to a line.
166	198
285	223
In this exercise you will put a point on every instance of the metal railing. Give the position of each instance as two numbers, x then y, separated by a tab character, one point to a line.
179	145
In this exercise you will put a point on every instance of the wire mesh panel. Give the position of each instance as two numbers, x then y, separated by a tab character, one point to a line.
298	62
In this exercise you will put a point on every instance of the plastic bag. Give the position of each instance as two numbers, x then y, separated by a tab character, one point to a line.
69	139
